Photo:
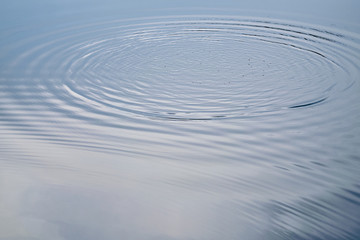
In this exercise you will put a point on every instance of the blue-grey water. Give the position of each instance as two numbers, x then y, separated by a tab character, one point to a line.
179	120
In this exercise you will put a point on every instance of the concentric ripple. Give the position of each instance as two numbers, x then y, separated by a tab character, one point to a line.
183	127
188	68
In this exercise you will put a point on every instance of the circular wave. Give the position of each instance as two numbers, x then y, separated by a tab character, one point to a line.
188	68
285	96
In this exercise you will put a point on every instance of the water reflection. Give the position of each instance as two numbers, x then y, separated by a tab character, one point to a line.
184	127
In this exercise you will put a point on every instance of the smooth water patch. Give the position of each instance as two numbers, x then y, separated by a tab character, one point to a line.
181	127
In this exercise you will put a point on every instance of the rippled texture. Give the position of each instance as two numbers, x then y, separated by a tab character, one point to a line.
186	127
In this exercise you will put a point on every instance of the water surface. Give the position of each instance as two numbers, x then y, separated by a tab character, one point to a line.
178	124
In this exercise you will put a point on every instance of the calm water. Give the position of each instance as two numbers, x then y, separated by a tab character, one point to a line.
141	120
